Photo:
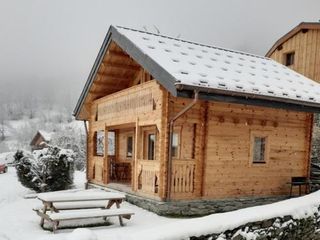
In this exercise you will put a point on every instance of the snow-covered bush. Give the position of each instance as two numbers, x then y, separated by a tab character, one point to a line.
75	139
49	169
24	168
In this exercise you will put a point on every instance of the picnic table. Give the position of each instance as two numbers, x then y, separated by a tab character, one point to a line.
88	203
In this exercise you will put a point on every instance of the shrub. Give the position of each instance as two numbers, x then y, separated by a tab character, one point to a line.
23	166
73	139
49	169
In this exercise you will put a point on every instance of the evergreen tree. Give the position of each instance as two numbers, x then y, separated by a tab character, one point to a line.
49	169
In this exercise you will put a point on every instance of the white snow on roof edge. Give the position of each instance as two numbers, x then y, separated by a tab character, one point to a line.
217	68
46	135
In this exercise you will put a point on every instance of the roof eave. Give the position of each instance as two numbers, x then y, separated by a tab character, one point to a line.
158	72
92	74
291	33
247	98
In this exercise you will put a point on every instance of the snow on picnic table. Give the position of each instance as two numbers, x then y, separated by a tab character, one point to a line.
88	195
19	222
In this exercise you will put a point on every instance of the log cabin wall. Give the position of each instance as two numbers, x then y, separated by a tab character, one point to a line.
306	47
187	163
229	171
141	107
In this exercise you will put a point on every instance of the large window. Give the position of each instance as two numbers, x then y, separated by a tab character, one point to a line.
129	146
99	143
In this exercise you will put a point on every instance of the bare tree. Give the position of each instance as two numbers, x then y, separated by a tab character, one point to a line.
2	130
2	123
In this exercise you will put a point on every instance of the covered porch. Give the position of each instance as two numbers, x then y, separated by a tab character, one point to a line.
128	144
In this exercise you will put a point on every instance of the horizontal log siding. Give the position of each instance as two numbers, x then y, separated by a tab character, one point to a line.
229	171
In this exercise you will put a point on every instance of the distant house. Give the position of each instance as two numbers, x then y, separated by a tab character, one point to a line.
299	49
188	121
40	140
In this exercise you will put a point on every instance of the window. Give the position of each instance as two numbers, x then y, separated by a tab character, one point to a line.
129	146
289	59
99	143
111	143
149	135
175	145
259	149
151	146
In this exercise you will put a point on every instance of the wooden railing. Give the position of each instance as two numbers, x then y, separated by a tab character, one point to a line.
148	176
183	178
131	102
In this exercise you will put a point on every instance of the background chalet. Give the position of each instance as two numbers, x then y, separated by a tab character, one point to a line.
299	49
40	140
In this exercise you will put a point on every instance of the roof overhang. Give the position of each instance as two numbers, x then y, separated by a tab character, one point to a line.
175	87
291	33
246	99
159	73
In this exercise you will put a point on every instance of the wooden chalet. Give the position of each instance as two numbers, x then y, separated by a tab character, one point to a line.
299	50
40	140
170	119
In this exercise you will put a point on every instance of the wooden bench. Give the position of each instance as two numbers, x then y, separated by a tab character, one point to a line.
55	217
74	205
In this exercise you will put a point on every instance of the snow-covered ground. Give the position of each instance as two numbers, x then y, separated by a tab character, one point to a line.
6	157
19	222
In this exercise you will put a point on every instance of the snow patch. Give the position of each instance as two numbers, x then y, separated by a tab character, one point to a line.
82	234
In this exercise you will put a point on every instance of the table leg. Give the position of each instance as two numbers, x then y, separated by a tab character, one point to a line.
55	226
110	203
120	217
118	203
44	210
121	221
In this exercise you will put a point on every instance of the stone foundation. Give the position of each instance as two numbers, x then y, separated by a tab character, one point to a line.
198	207
193	208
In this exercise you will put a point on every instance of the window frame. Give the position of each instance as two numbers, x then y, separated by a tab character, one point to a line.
178	131
292	58
145	134
130	135
95	143
153	147
178	145
115	143
259	134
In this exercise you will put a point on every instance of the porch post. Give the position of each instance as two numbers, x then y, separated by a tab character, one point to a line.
136	156
106	165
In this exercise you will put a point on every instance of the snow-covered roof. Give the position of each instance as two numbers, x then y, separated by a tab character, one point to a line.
222	69
46	135
183	65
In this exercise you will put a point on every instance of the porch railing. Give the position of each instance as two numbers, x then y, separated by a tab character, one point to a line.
148	176
183	177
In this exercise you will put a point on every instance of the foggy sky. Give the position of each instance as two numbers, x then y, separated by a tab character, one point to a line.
50	45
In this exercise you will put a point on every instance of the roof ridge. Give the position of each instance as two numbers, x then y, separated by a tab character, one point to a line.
292	32
195	43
